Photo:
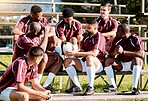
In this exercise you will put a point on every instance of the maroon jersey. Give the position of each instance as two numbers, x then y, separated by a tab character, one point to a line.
23	45
106	25
18	72
97	41
24	23
132	43
63	29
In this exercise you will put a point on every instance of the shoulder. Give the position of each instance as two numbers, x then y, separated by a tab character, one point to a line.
19	60
23	39
76	22
60	23
112	20
26	18
135	37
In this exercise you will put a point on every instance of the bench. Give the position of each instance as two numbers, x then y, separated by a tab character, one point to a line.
142	85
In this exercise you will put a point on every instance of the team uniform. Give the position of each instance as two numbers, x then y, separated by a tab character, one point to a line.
106	25
97	41
133	43
17	72
23	44
63	29
24	23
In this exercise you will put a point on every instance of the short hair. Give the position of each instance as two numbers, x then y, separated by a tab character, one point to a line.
107	5
36	51
68	12
124	28
91	21
35	9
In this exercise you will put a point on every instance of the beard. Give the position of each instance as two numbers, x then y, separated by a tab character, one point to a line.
88	33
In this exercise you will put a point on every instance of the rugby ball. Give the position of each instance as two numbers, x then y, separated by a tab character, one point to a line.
67	47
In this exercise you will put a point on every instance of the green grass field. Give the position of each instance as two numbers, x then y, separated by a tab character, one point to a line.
99	83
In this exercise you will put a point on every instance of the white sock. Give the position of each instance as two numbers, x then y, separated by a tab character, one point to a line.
59	50
71	71
49	79
75	47
39	77
110	74
90	70
136	75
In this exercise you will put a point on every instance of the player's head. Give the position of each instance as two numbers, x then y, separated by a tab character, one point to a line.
105	9
123	31
68	15
91	26
36	13
36	54
35	28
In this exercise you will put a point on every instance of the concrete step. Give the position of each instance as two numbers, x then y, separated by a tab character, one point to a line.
100	96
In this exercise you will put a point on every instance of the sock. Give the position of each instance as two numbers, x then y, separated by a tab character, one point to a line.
110	74
75	47
71	71
90	70
59	50
39	77
49	79
136	75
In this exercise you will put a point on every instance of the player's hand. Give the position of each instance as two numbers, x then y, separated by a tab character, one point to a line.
72	53
45	95
119	49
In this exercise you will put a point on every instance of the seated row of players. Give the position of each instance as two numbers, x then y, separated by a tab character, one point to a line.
67	29
92	47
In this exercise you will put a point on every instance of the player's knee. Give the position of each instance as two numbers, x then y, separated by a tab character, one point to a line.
89	60
137	61
109	61
45	58
67	62
23	97
74	40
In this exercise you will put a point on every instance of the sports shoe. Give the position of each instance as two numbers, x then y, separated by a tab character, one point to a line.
52	89
111	88
89	91
135	91
74	88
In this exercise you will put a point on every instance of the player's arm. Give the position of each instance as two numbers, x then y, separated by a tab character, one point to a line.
80	38
111	33
94	52
44	41
21	87
114	29
36	85
16	31
139	53
18	27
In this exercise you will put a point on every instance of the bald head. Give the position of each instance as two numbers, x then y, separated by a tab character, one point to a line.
124	28
35	26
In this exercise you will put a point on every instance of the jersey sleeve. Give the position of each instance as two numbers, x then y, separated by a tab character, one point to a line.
99	43
59	31
25	44
19	72
114	24
79	29
20	24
